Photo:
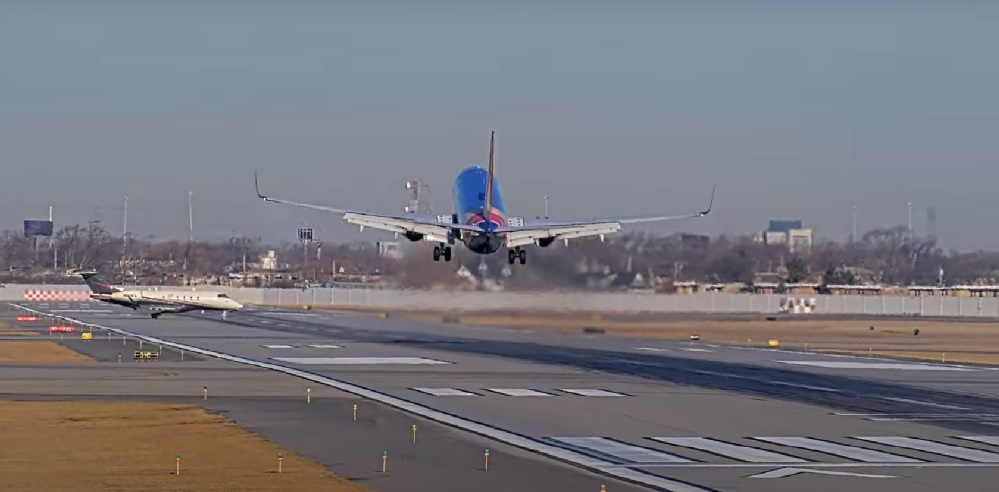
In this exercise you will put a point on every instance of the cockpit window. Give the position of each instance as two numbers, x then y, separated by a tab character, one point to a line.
223	295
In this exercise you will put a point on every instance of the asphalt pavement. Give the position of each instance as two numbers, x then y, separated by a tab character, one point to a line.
660	415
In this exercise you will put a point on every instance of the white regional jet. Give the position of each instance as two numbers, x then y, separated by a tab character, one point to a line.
159	301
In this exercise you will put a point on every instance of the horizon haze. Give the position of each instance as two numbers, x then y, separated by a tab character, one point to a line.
793	109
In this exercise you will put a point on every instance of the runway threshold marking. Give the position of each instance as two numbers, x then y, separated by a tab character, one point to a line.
534	445
933	447
836	449
621	451
518	392
444	392
593	392
729	450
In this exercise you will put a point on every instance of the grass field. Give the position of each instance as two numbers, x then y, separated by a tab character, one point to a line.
38	352
112	446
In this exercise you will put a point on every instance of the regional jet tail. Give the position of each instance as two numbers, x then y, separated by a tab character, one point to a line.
480	221
159	301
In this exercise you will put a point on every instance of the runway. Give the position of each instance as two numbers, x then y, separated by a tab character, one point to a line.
666	416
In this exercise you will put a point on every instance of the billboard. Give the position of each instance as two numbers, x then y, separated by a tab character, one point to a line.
33	228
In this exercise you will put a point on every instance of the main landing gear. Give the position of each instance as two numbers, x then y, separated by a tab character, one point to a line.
442	250
513	254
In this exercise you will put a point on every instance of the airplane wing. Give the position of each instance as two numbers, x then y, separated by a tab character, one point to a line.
532	231
428	225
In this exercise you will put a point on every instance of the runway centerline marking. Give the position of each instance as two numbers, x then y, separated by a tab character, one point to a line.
836	364
358	360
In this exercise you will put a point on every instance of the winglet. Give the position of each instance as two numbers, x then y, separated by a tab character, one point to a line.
256	185
710	203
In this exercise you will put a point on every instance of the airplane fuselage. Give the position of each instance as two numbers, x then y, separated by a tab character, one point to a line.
171	301
469	192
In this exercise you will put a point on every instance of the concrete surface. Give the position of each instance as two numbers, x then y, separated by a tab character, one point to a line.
701	417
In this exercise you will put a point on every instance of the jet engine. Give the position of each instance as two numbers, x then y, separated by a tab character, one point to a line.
413	236
546	242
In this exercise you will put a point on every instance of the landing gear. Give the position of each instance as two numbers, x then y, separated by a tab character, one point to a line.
513	254
442	250
155	315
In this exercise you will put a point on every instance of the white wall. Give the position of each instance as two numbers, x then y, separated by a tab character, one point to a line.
576	301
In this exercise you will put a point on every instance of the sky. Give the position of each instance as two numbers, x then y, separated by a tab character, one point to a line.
800	109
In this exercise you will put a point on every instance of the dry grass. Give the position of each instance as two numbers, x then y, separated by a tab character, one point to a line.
18	333
112	446
38	352
4	324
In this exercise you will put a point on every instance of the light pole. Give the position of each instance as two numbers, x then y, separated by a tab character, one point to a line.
853	238
910	222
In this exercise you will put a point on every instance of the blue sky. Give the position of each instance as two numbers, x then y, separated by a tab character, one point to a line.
794	109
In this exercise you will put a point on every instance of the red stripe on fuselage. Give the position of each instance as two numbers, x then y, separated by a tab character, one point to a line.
495	217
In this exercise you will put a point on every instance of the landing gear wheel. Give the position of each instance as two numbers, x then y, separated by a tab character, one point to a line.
447	253
155	315
437	253
523	256
511	256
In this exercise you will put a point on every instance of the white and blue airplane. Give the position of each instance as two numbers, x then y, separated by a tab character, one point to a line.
480	221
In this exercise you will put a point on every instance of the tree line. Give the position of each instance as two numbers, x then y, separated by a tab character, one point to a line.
888	256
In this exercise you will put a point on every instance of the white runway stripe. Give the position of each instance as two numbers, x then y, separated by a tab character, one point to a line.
592	392
622	451
319	345
835	449
277	346
925	403
517	392
443	392
968	454
990	440
729	450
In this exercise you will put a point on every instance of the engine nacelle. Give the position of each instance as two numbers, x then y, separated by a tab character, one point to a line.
413	236
546	241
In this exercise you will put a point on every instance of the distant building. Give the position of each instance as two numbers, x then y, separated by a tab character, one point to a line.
389	250
800	240
774	237
693	242
268	261
784	225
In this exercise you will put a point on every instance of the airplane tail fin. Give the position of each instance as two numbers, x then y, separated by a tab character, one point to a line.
487	209
97	284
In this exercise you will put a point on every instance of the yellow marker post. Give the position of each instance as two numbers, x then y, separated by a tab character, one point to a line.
355	412
178	464
280	460
384	460
206	392
414	433
86	336
308	395
603	488
487	460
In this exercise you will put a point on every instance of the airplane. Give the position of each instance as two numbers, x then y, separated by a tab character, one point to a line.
159	301
480	221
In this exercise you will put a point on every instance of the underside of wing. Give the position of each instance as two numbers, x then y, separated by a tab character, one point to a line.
528	235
